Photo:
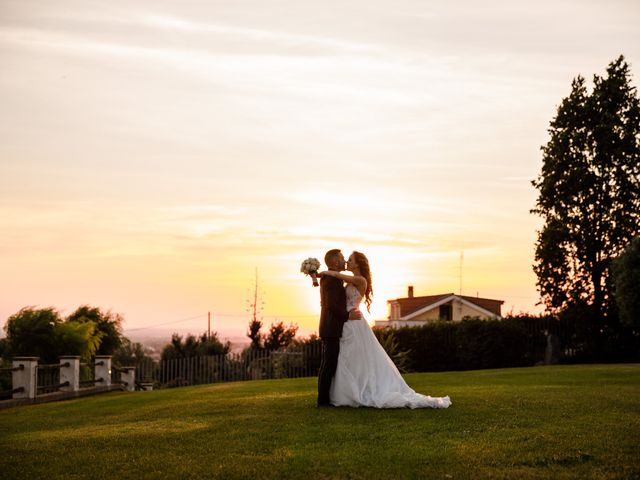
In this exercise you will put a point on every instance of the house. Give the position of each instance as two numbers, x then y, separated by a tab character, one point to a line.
414	311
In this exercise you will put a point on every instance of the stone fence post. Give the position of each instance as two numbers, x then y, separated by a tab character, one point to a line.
102	369
70	372
128	377
25	377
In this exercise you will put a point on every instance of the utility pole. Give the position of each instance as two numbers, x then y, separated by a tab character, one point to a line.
208	325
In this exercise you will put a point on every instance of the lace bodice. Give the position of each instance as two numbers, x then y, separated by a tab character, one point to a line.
353	297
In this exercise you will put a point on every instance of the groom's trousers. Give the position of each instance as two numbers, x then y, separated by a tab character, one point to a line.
328	366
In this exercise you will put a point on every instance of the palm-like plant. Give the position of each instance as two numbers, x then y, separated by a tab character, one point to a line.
391	345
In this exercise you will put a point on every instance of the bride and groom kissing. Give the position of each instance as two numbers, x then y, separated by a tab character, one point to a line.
355	370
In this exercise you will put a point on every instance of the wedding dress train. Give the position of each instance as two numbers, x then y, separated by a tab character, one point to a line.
366	376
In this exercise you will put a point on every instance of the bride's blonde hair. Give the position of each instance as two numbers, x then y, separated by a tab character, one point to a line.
365	271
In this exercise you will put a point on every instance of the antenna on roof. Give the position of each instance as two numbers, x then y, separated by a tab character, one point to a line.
461	258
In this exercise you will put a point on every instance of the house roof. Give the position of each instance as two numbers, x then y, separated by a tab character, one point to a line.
410	305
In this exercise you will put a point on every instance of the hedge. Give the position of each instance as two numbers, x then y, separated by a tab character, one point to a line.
476	343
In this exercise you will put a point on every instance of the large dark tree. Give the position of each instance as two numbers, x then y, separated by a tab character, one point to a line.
589	190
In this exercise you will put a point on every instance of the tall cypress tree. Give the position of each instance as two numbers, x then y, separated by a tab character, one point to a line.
589	190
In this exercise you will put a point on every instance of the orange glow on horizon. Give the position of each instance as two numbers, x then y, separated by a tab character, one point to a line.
153	155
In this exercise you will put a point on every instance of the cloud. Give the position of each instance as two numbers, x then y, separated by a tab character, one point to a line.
277	37
204	211
343	78
376	199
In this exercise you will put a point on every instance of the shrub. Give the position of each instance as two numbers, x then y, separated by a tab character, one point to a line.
470	344
490	344
431	347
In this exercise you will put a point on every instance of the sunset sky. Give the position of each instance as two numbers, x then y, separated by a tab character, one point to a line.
153	154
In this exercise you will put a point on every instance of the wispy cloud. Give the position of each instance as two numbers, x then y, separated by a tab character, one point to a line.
359	199
295	74
278	37
182	144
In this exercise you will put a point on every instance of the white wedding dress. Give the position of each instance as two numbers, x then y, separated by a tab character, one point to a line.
366	376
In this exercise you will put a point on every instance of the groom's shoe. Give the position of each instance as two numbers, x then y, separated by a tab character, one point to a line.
324	405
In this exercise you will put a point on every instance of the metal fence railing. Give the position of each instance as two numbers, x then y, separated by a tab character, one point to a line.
87	375
27	380
6	388
538	331
301	361
48	379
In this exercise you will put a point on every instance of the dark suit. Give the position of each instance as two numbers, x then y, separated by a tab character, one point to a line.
333	314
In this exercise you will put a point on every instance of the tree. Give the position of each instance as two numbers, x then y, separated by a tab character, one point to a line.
589	190
77	338
179	348
42	333
254	334
279	336
255	307
30	332
129	353
107	323
194	347
212	345
626	283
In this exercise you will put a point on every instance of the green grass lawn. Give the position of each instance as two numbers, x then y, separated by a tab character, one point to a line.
540	422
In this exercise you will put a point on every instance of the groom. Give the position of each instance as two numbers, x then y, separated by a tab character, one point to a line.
333	314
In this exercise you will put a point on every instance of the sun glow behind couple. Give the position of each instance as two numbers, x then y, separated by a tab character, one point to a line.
405	143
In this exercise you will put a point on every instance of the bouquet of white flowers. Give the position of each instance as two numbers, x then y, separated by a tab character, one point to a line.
310	267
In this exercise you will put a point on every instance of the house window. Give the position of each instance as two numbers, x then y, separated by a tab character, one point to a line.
445	312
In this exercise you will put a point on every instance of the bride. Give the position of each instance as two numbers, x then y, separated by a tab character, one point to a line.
366	376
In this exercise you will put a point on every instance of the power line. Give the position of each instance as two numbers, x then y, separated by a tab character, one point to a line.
233	315
166	323
262	316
